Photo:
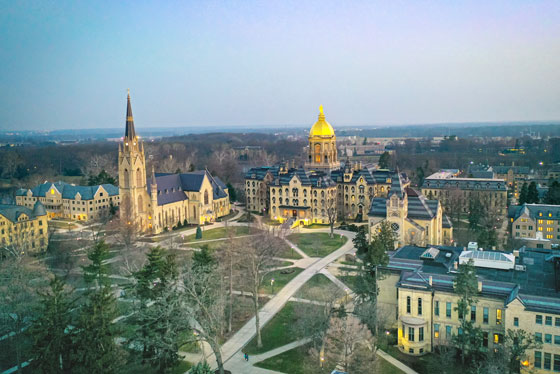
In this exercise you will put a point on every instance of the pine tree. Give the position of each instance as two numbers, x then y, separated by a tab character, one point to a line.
523	194
553	194
157	314
469	338
232	193
50	331
386	236
203	259
384	160
532	194
201	368
198	233
360	240
94	347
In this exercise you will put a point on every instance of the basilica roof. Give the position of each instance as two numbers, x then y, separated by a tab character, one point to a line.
172	187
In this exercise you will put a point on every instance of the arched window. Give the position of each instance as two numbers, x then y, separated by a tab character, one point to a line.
305	202
139	178
317	153
322	193
280	200
126	179
273	200
287	192
194	212
274	209
140	205
304	193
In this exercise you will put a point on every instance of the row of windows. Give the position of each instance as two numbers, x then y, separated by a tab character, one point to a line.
497	338
449	308
547	363
547	320
547	338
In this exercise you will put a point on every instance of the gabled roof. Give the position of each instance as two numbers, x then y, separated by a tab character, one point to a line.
172	187
536	211
12	211
69	191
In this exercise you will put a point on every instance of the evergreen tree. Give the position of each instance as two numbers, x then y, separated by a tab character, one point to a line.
198	233
523	194
476	213
201	368
203	260
94	347
51	339
532	194
157	315
360	240
232	193
553	194
384	160
102	178
469	338
386	236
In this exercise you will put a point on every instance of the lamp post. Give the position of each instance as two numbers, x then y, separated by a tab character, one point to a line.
272	286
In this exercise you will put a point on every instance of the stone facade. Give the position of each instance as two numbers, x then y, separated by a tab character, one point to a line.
163	200
417	298
414	219
22	229
63	200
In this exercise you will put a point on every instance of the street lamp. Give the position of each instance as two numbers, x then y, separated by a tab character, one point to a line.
272	285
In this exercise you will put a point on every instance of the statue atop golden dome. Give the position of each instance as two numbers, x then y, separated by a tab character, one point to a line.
323	154
321	128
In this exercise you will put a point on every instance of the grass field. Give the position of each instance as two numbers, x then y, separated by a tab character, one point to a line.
319	288
280	280
293	361
317	244
220	233
278	332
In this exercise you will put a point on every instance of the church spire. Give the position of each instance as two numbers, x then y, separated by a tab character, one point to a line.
129	133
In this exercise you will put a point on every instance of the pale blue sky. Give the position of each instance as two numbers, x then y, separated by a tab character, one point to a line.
67	64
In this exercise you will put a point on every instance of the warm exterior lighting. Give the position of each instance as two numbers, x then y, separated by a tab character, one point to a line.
52	191
525	363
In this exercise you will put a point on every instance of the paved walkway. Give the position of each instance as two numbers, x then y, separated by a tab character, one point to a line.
393	361
239	365
231	348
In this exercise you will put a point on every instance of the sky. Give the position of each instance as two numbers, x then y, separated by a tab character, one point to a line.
68	64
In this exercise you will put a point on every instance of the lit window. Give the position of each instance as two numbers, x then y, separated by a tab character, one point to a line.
498	316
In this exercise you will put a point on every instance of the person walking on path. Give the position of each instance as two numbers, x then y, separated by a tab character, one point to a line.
246	357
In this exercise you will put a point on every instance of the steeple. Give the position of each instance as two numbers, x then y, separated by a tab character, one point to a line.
129	133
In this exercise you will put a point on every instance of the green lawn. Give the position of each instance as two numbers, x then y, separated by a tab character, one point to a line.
386	368
317	244
348	280
219	233
292	362
280	280
288	362
278	332
319	288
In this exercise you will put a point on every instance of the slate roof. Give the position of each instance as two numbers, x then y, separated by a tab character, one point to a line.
259	173
172	187
548	211
418	206
465	184
69	191
12	211
535	286
516	169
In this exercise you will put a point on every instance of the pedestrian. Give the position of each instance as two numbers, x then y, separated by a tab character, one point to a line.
246	357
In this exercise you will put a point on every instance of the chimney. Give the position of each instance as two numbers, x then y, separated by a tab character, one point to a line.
479	286
455	265
516	252
430	280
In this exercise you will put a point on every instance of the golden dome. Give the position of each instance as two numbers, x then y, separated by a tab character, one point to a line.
321	127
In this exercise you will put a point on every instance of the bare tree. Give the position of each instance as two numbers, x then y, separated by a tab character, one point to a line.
332	212
19	282
257	257
347	343
127	230
205	301
230	270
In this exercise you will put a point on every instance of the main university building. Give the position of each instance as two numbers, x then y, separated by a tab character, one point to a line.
306	195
